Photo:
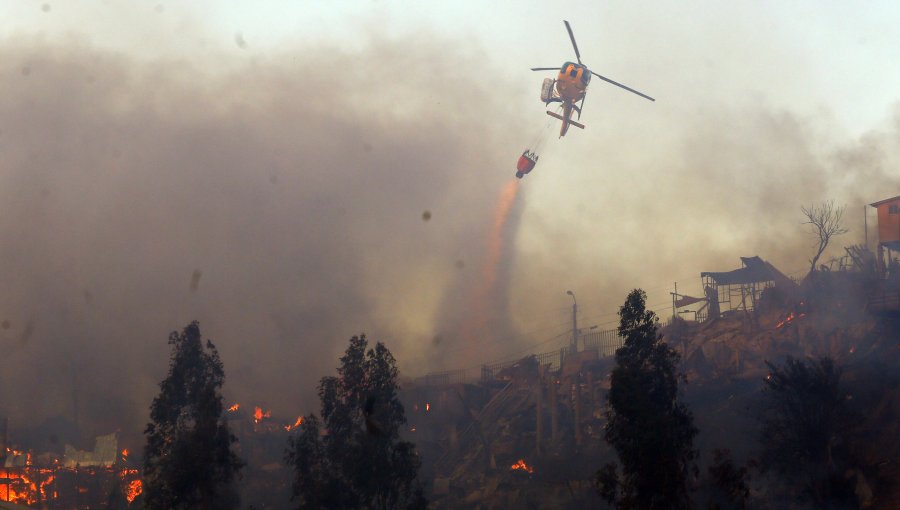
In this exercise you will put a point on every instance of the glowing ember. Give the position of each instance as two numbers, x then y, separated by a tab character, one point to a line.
36	486
295	425
787	320
521	465
234	408
427	407
125	453
259	414
133	490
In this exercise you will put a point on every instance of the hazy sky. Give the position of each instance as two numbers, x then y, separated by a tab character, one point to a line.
286	152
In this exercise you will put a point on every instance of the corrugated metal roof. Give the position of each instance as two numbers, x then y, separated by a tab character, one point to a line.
755	270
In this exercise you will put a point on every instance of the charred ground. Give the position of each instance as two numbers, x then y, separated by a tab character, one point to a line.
531	434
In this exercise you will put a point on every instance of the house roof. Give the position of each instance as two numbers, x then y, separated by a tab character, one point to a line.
886	200
755	270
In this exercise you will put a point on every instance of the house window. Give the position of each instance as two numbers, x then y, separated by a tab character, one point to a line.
894	209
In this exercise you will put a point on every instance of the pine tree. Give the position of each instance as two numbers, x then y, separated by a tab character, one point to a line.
651	431
360	462
188	458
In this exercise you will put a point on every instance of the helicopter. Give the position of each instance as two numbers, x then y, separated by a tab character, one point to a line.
571	86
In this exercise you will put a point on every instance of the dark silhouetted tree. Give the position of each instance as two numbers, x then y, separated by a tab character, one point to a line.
651	431
728	483
188	459
805	430
360	461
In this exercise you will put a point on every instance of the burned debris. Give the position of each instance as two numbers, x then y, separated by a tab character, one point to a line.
530	432
74	480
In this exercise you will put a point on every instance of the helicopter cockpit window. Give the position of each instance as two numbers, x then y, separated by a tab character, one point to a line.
586	77
565	66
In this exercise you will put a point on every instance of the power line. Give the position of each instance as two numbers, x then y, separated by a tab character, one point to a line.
514	354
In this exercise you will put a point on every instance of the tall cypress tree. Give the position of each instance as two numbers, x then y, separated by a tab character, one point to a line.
360	462
651	431
188	459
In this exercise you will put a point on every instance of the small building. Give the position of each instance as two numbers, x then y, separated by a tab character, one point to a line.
888	232
740	289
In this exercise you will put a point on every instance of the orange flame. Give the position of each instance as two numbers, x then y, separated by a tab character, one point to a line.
427	407
234	408
133	490
259	414
26	485
295	425
34	486
790	318
521	465
125	453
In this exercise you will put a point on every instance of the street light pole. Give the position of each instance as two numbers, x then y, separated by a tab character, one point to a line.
574	345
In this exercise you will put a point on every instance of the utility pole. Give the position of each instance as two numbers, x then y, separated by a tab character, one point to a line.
674	299
866	225
574	346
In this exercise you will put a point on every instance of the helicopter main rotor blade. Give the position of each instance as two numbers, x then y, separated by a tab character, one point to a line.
617	84
544	68
572	37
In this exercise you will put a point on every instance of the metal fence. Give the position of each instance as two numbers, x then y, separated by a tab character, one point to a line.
552	358
604	342
446	377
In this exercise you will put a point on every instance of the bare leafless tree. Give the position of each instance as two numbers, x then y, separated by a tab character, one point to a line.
825	221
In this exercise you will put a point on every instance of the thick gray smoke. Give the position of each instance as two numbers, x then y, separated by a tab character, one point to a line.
281	201
715	182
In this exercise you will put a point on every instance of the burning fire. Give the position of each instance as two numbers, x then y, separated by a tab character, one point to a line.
36	486
789	319
133	487
234	408
259	414
125	454
427	407
133	490
295	425
521	465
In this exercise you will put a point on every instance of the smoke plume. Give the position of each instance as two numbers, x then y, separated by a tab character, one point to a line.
279	201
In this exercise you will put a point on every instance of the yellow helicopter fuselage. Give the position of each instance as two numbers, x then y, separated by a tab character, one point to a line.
571	85
572	82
